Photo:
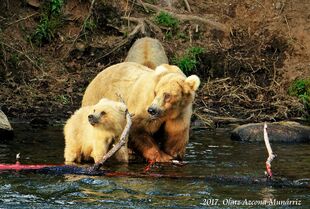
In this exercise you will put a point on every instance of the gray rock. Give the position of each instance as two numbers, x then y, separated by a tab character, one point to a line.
34	3
277	132
6	130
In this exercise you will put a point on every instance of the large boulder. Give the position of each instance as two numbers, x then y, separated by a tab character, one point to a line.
277	132
6	130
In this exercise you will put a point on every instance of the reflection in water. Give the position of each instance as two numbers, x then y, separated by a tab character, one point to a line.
267	193
208	153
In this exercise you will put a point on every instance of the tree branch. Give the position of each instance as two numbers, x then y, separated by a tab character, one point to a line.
187	5
271	156
90	11
140	27
24	54
214	24
122	141
22	19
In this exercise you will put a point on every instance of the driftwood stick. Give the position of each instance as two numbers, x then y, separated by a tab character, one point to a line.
139	28
140	25
187	6
22	19
214	24
271	156
122	141
90	12
144	7
24	54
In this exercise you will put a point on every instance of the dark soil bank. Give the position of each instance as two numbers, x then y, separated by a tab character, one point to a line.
246	52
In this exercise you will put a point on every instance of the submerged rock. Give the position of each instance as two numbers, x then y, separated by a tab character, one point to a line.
6	130
277	132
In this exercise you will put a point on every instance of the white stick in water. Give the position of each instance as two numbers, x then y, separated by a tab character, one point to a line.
271	156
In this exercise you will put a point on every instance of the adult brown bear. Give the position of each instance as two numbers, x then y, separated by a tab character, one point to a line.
161	101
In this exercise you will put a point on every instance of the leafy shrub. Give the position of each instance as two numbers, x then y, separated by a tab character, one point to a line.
50	21
167	20
301	89
189	61
56	6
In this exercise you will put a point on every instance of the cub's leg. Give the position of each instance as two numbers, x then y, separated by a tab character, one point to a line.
100	149
122	154
72	155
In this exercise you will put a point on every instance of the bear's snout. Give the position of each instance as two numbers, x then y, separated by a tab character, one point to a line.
154	111
92	119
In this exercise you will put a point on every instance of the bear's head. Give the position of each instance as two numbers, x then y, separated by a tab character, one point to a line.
108	115
173	92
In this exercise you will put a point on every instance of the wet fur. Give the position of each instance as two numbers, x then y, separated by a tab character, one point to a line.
138	86
86	142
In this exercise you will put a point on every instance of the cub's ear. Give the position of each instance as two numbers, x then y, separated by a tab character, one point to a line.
161	69
193	82
165	68
103	100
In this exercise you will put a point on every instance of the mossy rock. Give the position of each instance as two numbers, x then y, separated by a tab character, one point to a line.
288	132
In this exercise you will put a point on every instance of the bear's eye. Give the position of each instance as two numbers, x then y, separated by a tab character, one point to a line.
102	113
167	97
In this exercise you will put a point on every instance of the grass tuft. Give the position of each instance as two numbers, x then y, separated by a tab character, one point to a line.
189	61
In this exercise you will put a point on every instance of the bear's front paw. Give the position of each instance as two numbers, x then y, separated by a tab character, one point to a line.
164	158
175	152
156	155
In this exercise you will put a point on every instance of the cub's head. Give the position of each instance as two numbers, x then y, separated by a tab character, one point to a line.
109	115
173	92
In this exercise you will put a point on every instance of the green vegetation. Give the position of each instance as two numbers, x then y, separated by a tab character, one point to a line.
63	99
14	60
189	61
301	89
171	25
50	21
167	20
55	6
89	25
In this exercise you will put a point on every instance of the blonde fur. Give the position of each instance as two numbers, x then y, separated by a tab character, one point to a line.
142	88
148	52
84	141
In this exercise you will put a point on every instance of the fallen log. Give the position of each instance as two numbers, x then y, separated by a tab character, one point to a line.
223	179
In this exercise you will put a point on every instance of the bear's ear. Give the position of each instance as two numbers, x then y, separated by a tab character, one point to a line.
193	82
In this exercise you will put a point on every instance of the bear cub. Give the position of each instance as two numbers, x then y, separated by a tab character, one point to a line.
92	130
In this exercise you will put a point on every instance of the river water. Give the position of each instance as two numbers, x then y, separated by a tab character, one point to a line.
208	153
